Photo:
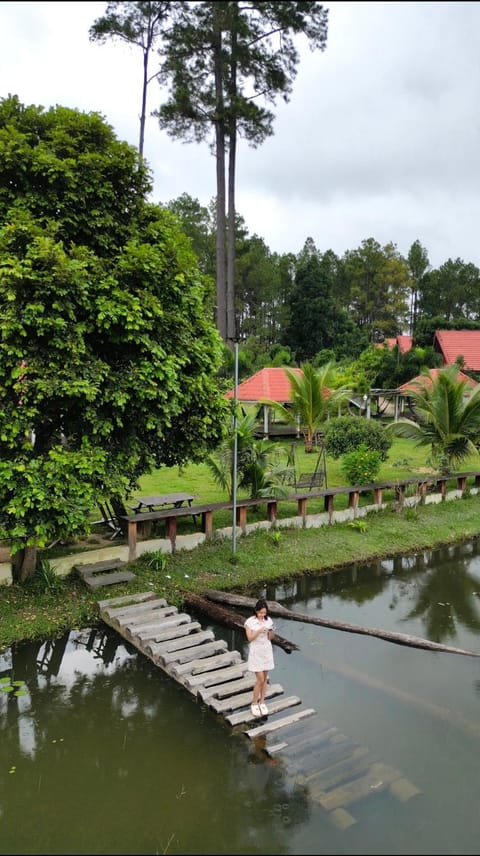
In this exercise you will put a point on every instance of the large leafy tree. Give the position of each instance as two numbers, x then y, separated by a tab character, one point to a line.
107	358
448	418
377	282
452	291
316	320
198	222
418	265
225	64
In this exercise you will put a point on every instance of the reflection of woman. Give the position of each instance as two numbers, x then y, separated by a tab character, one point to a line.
259	630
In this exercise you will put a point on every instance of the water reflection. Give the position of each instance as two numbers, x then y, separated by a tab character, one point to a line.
112	757
106	754
437	590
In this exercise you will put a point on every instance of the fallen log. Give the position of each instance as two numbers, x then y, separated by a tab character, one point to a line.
230	619
275	608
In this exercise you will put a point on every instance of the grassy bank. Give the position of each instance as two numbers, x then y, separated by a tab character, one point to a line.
49	607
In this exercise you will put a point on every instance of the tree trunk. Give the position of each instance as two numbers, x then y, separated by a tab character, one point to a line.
143	114
230	619
231	232
277	609
24	563
221	313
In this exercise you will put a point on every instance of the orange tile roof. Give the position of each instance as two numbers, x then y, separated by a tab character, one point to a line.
423	379
404	343
453	343
269	383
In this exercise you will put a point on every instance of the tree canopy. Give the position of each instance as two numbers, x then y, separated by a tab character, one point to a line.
224	65
108	360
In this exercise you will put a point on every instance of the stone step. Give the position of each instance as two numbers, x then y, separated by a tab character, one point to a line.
86	570
95	581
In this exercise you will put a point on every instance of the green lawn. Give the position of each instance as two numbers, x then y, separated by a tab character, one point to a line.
404	460
40	610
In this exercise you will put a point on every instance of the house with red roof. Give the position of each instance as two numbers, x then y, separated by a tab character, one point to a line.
269	383
404	343
412	385
452	344
404	391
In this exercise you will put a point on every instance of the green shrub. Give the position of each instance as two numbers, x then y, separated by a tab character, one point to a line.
345	434
362	465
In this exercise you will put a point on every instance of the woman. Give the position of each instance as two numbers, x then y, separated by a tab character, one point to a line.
259	630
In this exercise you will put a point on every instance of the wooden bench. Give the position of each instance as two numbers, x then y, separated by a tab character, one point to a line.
206	510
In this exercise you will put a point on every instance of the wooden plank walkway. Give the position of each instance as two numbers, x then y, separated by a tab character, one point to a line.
336	771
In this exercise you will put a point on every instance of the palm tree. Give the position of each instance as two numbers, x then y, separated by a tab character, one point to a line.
260	469
448	418
313	397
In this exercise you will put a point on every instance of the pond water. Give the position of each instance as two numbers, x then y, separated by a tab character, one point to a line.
102	753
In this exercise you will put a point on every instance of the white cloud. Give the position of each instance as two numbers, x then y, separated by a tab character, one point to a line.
380	138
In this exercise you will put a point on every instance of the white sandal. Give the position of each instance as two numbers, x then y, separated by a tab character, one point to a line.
255	708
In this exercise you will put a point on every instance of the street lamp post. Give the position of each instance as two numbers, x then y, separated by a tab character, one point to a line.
235	451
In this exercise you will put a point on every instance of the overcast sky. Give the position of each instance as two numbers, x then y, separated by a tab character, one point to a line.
380	139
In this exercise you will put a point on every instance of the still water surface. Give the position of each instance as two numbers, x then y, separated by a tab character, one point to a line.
104	754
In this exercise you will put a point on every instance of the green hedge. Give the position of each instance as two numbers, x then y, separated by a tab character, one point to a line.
345	434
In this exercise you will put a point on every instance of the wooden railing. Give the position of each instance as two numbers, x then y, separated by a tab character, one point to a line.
206	511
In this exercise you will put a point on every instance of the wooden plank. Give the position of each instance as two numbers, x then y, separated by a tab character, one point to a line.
161	623
273	707
156	632
235	702
280	723
324	757
186	641
126	599
378	778
297	730
196	667
275	748
187	647
217	677
309	741
402	789
134	608
193	654
341	818
131	622
319	781
143	614
226	689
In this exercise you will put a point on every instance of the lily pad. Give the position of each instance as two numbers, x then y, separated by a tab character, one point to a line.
20	692
18	683
4	680
5	689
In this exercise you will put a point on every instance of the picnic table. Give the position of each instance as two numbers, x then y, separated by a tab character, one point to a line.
176	500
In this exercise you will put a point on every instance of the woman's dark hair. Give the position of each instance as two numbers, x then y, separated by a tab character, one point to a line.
261	604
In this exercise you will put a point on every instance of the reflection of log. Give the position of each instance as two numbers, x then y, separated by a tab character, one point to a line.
275	608
230	619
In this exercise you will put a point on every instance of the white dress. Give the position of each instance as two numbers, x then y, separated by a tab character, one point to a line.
260	651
